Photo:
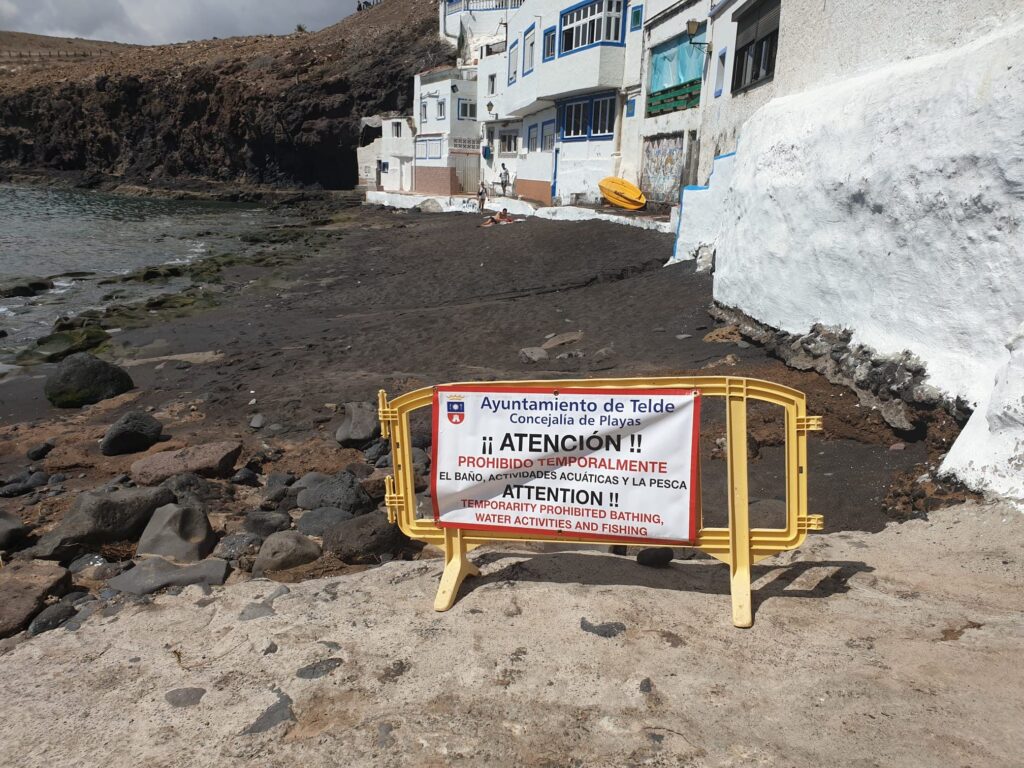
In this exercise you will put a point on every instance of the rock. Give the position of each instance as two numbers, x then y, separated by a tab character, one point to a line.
420	459
384	462
284	550
184	697
655	557
193	490
246	476
375	451
316	521
82	379
561	339
359	425
210	460
11	490
311	479
236	546
57	346
39	452
705	258
90	560
603	359
180	533
12	529
607	629
51	617
101	518
263	523
360	469
532	354
37	480
280	480
374	484
24	587
362	539
155	573
24	286
257	421
342	491
135	431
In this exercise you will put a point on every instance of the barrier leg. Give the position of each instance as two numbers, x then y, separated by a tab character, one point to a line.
456	568
739	513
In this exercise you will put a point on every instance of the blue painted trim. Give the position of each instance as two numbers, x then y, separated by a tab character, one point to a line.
528	30
532	132
554	176
639	24
631	108
513	72
554	33
554	134
571	8
720	157
721	58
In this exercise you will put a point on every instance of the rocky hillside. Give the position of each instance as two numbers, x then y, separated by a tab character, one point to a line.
281	110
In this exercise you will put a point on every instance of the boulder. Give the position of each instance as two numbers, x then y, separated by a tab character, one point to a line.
193	490
246	476
284	550
39	452
101	517
210	460
310	479
362	539
359	425
532	354
236	546
12	529
180	533
375	485
82	379
135	431
375	451
342	491
24	587
263	522
155	573
51	617
561	339
24	286
655	557
316	521
57	346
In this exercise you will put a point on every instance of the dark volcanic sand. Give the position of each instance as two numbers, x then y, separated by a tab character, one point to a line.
398	300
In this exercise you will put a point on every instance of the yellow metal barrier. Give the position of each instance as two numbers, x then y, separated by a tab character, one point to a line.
739	545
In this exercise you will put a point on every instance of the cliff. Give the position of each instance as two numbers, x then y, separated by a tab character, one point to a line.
279	110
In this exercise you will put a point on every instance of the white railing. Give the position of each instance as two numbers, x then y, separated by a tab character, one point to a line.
458	6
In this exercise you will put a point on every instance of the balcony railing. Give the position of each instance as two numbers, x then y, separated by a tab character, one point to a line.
458	6
682	96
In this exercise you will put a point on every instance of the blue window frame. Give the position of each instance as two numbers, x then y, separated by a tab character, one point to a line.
591	23
630	107
513	62
590	118
636	17
547	135
550	44
529	49
531	138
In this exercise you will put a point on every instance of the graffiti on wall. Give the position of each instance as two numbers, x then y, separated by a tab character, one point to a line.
664	163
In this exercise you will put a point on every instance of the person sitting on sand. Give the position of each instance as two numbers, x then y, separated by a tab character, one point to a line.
499	218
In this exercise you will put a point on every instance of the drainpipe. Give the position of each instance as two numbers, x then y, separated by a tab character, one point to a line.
620	109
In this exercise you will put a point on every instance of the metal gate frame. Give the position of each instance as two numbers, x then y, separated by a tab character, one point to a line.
739	546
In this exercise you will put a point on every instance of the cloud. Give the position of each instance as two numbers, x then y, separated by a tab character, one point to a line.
167	21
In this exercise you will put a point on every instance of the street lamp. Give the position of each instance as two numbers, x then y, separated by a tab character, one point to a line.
692	26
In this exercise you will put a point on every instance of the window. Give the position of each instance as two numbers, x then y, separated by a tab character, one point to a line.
549	44
467	109
757	40
490	135
631	108
384	166
396	129
423	111
576	119
421	150
720	73
529	44
603	122
636	18
592	24
492	83
531	139
509	142
440	109
513	62
547	136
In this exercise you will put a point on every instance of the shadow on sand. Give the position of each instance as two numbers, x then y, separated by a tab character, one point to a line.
805	579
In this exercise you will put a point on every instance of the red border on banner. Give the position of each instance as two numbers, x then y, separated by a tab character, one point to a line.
568	535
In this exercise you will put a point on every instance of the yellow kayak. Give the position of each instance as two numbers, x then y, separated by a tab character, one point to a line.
622	194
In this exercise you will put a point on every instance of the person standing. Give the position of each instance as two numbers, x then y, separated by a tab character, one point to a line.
503	180
481	197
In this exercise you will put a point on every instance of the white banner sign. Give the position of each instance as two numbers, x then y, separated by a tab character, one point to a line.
571	462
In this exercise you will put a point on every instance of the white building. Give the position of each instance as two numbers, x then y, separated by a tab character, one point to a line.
386	160
447	146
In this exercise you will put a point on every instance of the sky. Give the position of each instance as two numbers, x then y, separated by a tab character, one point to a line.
167	21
